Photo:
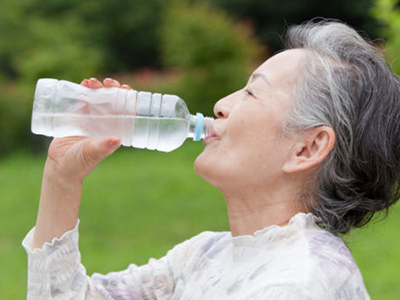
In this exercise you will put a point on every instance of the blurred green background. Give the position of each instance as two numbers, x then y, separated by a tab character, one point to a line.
139	203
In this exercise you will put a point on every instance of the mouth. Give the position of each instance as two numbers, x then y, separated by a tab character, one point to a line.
210	136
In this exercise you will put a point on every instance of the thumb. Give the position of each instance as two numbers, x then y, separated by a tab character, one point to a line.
95	151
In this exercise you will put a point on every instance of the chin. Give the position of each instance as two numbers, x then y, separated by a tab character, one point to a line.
205	167
199	164
209	169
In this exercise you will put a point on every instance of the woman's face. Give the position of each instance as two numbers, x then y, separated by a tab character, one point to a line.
247	148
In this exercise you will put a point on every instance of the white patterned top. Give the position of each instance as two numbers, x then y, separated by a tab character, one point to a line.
297	261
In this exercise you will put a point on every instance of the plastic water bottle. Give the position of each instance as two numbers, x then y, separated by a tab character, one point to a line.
139	119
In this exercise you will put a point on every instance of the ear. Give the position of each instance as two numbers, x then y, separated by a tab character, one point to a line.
310	150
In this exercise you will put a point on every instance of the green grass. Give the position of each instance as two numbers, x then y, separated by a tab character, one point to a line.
377	252
138	204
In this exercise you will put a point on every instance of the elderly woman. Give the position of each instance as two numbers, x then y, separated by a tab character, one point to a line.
309	148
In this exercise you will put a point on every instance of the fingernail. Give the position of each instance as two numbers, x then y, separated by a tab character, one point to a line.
114	143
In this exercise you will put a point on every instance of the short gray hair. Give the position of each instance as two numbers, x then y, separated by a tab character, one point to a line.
347	85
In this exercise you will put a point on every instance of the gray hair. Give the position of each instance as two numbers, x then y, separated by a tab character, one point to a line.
347	85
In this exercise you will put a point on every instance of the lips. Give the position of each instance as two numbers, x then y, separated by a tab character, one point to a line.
211	134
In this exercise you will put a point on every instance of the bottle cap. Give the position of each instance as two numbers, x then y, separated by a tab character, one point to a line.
199	127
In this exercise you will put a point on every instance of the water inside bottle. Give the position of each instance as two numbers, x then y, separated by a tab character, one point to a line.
163	134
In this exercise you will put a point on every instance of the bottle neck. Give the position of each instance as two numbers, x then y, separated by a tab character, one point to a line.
199	127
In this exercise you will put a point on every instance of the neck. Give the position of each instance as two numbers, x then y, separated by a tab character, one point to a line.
257	209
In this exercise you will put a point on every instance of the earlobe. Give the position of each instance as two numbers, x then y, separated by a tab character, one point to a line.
312	148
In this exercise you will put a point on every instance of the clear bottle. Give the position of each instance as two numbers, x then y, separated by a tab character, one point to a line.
140	119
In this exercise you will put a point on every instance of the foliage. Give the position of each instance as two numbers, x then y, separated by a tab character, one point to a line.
34	47
124	32
270	17
209	49
388	12
14	118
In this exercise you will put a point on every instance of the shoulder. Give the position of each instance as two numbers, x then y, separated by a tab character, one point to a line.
300	263
329	252
304	258
332	266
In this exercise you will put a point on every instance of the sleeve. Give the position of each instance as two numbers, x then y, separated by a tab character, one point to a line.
55	272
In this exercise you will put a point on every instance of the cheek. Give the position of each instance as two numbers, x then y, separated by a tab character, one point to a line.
246	152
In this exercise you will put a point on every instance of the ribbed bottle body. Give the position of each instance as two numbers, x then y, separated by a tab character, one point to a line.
140	119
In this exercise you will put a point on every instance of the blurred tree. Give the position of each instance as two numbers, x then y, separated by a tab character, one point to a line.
14	110
388	12
12	34
269	17
212	53
57	49
123	34
120	35
14	118
33	46
131	34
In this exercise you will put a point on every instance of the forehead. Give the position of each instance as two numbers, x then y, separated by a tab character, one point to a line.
282	68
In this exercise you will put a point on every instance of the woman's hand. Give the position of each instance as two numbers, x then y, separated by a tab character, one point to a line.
69	161
73	158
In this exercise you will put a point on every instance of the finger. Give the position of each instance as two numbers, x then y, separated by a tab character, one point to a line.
94	83
109	82
85	83
126	87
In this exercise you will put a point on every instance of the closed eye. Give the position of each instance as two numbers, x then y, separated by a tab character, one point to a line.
249	93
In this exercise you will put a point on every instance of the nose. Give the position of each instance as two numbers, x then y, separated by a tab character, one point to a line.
224	106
